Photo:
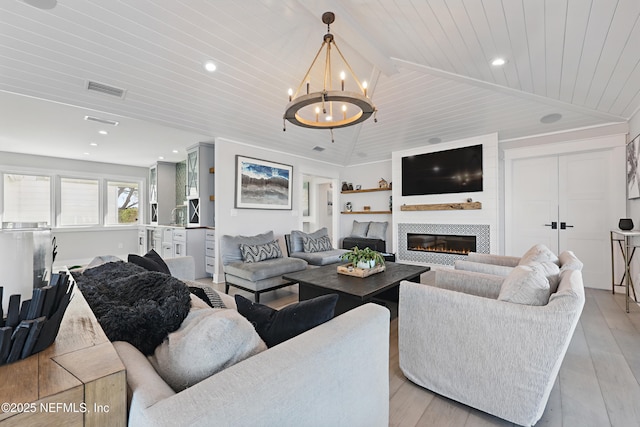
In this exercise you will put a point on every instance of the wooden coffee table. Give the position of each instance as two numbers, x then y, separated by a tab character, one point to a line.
354	291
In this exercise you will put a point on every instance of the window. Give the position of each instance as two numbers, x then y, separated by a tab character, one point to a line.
122	202
79	201
27	198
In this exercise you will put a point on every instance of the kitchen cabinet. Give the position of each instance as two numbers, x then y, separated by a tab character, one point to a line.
200	185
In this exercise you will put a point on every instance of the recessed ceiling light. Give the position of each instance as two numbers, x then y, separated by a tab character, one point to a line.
86	154
161	157
210	66
175	151
93	144
550	118
103	132
435	140
498	62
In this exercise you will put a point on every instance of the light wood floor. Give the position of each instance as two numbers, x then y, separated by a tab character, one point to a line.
598	384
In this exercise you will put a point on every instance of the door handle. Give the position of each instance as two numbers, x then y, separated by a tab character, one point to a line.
564	226
553	225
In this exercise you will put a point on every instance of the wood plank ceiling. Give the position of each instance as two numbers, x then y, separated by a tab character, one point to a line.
427	64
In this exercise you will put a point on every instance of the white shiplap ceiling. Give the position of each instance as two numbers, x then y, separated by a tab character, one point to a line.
427	64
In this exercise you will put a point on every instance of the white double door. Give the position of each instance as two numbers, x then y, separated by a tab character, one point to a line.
567	202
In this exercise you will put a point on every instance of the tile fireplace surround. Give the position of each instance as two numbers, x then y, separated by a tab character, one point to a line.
481	231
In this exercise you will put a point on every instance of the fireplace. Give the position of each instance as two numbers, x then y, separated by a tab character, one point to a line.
441	243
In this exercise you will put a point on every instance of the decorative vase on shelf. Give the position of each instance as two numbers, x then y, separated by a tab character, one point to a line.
348	206
345	186
350	187
625	224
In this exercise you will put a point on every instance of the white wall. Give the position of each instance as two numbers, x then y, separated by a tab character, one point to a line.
633	212
80	245
489	196
366	175
232	221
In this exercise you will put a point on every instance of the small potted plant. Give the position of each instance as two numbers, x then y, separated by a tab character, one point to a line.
363	258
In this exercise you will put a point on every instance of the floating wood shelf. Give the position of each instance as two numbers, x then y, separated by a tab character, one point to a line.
365	212
443	207
365	190
212	198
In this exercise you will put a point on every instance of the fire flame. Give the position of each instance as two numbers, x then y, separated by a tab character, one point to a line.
439	250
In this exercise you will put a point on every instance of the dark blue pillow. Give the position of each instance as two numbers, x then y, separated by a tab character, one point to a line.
275	326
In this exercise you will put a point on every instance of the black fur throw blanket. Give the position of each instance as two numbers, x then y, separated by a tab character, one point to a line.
133	304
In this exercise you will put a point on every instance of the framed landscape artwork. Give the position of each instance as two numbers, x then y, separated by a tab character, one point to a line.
261	184
633	174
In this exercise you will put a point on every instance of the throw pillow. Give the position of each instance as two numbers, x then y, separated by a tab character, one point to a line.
569	261
551	271
317	245
538	253
208	341
230	245
275	326
257	253
150	261
359	229
209	296
377	230
526	285
297	244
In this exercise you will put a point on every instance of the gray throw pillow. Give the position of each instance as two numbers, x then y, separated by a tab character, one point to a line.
526	285
257	253
296	238
359	229
538	253
208	341
230	245
551	271
377	230
317	245
569	261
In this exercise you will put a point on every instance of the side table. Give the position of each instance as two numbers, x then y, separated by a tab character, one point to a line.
628	249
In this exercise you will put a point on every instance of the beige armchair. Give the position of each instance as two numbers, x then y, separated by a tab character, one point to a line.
458	340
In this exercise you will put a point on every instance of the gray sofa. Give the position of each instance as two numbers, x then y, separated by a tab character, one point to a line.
300	382
255	277
295	248
459	340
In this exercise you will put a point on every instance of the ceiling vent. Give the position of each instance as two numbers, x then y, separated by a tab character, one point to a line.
103	121
106	89
318	148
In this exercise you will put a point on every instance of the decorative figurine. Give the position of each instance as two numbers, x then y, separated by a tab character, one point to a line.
348	206
383	183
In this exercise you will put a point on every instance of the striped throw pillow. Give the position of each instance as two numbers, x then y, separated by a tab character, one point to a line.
257	253
320	244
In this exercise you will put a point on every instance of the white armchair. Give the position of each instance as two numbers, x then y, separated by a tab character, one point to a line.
458	340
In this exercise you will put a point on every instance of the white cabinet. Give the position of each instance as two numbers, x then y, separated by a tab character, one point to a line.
210	251
162	192
200	185
180	242
171	242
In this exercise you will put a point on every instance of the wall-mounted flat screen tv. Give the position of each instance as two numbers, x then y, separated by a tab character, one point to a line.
451	171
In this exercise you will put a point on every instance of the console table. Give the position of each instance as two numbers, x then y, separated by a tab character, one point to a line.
79	380
628	249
